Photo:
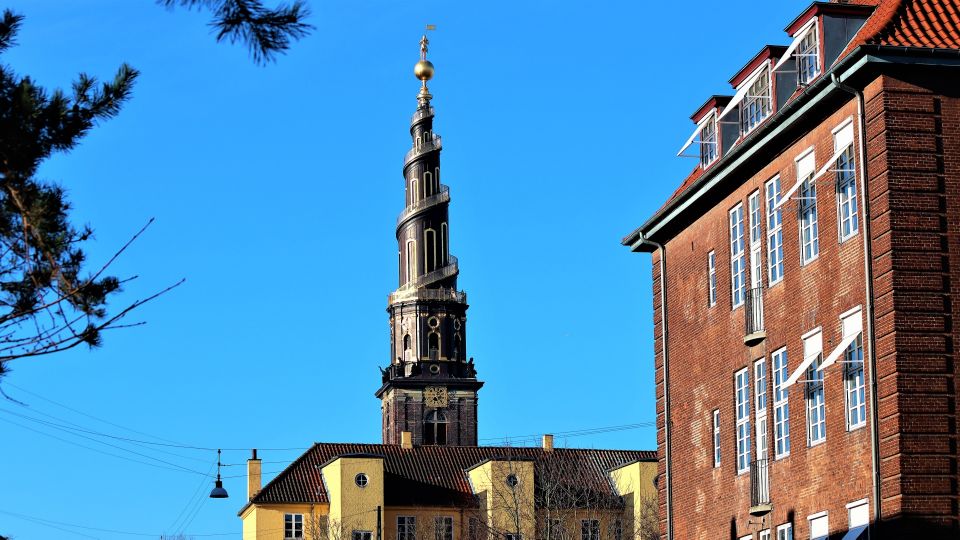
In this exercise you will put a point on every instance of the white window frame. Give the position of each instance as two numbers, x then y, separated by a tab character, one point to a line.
809	224
764	102
361	535
781	403
755	241
711	278
774	232
709	146
742	399
854	375
805	53
443	528
785	531
760	406
814	389
590	529
747	537
738	257
764	535
816	518
292	525
716	438
409	528
846	182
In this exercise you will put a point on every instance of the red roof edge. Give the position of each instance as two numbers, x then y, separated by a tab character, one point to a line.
766	53
713	102
852	7
877	22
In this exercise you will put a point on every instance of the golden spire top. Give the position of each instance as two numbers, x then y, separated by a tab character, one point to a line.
423	70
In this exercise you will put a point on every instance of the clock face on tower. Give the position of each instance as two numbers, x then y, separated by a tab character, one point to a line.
435	396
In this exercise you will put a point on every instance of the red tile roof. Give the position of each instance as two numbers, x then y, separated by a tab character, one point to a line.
430	475
913	23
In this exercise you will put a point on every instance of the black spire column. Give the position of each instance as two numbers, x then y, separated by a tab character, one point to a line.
429	389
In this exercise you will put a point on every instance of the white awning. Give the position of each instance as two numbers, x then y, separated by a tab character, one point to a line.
797	38
696	132
812	349
800	177
852	324
741	92
838	352
801	369
856	533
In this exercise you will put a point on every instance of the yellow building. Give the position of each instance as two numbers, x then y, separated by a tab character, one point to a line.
405	492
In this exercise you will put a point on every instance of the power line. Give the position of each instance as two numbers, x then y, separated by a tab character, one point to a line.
69	430
58	404
90	447
44	521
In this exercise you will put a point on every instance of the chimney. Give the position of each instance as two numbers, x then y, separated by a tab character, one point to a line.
253	475
406	440
548	443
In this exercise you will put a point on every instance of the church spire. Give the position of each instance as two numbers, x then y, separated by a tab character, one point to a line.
429	389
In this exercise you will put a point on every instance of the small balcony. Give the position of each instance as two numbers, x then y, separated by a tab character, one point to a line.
753	316
760	488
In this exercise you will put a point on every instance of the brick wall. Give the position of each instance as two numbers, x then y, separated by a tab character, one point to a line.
913	159
707	348
914	168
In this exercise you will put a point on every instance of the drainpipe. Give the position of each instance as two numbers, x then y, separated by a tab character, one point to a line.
868	275
666	381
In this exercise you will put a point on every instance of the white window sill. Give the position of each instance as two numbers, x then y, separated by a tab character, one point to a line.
816	443
781	456
810	260
857	427
850	236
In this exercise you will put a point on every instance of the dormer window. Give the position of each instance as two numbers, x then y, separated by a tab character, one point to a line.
756	102
708	142
808	57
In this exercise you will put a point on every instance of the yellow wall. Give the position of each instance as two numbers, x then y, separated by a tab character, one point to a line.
634	482
353	508
426	520
265	522
507	509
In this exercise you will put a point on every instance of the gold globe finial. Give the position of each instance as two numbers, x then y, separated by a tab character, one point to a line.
423	70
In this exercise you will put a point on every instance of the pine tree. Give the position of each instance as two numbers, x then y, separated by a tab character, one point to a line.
265	31
49	301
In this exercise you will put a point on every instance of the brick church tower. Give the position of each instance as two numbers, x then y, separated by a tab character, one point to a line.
429	389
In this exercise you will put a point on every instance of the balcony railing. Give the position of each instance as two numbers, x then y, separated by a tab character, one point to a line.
753	316
413	293
431	142
760	487
421	113
440	197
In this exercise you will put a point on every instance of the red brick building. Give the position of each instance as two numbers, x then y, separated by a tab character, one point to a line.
804	278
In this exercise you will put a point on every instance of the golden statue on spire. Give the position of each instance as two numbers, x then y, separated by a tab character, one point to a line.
424	70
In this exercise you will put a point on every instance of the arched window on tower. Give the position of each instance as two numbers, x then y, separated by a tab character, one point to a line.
443	244
414	196
429	250
411	260
435	428
407	351
433	345
427	184
457	347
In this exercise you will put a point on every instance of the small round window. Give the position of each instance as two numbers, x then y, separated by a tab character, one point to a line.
512	480
361	480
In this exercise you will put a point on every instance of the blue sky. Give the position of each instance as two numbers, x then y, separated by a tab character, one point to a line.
275	191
